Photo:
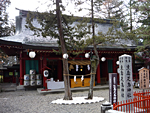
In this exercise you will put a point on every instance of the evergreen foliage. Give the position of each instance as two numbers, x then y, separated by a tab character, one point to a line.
142	32
5	28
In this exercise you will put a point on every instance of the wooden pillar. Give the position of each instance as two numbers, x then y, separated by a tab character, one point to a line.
21	69
44	78
41	66
59	68
98	73
114	65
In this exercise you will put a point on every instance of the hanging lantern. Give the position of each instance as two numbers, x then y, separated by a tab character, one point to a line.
103	59
117	62
87	55
65	56
32	54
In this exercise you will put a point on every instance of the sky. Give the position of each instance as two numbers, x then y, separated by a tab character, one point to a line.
40	5
31	5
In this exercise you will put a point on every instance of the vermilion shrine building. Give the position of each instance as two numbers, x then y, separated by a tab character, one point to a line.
23	42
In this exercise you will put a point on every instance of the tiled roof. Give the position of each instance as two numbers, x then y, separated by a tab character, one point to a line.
25	35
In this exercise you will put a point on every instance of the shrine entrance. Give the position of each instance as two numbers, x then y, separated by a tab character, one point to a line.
105	68
53	65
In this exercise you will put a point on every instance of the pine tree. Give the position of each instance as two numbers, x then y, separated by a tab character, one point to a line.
5	28
61	27
144	19
109	9
113	9
143	10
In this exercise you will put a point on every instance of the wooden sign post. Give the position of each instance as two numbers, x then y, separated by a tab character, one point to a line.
113	88
144	78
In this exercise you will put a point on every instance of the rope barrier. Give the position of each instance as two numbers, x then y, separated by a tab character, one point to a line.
66	74
79	75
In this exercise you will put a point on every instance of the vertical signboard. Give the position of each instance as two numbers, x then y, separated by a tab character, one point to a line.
125	73
144	78
113	88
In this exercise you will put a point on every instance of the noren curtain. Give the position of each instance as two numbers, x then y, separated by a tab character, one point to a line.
32	64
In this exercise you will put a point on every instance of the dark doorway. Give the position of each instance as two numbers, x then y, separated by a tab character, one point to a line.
52	64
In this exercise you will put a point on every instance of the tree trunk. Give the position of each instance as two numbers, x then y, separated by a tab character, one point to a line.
68	95
130	18
94	61
94	65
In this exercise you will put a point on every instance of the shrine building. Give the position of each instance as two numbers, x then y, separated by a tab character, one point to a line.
24	42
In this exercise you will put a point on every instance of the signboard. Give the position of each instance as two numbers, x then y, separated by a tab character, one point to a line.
113	88
144	78
10	73
125	73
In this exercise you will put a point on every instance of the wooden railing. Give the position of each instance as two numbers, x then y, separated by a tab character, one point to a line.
140	103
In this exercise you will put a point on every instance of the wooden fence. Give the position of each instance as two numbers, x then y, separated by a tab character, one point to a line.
139	104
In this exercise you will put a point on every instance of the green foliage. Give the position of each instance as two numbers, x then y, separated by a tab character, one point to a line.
144	19
5	28
3	56
112	9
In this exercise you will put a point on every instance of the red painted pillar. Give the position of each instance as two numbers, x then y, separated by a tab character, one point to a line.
41	66
114	65
98	73
44	78
21	69
59	69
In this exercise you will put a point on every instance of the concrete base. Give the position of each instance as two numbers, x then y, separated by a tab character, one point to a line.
20	87
6	87
78	100
113	111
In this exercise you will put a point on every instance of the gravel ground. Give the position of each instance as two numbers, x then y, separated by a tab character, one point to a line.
32	102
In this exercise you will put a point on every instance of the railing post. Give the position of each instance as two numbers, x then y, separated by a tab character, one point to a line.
106	106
